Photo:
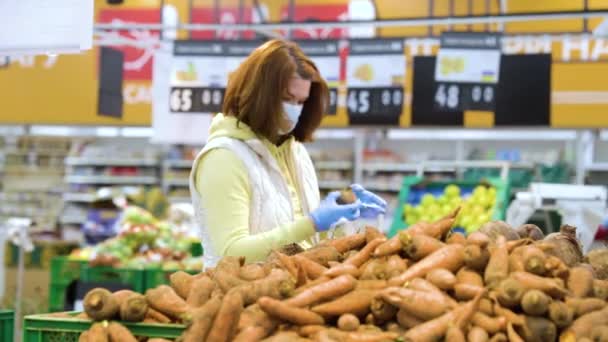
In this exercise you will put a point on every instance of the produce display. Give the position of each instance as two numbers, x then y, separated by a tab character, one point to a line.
143	242
477	205
425	284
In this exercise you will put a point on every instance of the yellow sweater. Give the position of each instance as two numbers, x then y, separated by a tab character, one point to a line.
222	180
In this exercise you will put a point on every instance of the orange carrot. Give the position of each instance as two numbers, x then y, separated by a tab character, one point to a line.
118	332
551	286
323	291
388	247
468	310
253	271
356	302
600	289
466	291
424	305
278	284
512	334
372	233
498	265
365	253
157	316
200	292
492	325
382	311
341	269
181	282
312	269
202	321
509	293
375	269
477	334
582	306
372	284
479	239
286	263
500	337
348	243
534	260
535	303
580	282
348	322
227	318
455	334
476	257
420	246
561	314
251	334
395	265
449	257
322	254
439	229
309	330
456	238
289	313
426	286
583	325
468	276
407	320
442	278
100	304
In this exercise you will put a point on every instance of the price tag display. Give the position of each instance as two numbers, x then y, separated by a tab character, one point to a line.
199	73
452	97
375	78
326	56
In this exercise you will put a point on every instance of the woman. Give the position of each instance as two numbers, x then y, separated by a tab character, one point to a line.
253	185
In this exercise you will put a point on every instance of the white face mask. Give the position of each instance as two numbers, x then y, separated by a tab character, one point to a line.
292	114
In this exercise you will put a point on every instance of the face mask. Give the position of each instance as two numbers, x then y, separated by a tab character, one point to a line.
292	113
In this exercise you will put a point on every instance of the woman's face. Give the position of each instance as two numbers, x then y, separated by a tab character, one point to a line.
298	91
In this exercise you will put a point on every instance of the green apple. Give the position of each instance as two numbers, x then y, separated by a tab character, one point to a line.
442	200
479	191
492	192
427	200
466	221
477	210
452	190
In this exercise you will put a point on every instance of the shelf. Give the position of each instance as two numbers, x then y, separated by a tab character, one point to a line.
444	167
72	219
333	165
74	179
179	199
84	161
597	167
177	182
79	197
35	151
333	184
178	163
390	167
380	186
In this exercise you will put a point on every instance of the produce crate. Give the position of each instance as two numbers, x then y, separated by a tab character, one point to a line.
7	319
44	328
41	256
135	278
63	272
155	277
411	183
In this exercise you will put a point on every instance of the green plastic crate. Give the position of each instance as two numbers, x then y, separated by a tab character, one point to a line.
42	328
7	320
135	278
500	208
63	272
156	277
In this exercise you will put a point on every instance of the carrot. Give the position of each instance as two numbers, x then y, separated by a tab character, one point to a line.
479	239
181	282
395	265
226	320
310	284
322	254
394	327
512	334
453	214
371	284
356	302
84	336
323	291
500	337
600	289
288	313
486	306
98	333
117	332
372	233
382	311
226	281
83	315
468	310
365	253
309	330
424	305
477	334
302	278
313	270
551	286
580	282
438	229
253	315
492	325
164	299
420	246
278	284
287	263
348	322
426	286
388	247
583	325
538	329
509	293
498	265
534	260
134	308
582	306
442	278
253	271
449	257
455	334
599	333
200	292
156	316
158	339
513	244
456	238
516	260
229	264
407	320
347	243
561	314
251	334
557	268
99	304
341	269
375	269
475	257
535	303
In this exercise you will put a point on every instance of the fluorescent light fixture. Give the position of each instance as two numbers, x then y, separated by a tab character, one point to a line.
602	29
136	132
479	134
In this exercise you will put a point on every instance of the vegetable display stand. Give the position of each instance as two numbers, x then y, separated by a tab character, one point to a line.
134	278
414	187
63	272
7	320
156	277
45	328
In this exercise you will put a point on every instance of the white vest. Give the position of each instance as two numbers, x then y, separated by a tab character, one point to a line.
270	204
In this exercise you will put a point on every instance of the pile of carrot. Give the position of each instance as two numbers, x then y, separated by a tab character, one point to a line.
424	284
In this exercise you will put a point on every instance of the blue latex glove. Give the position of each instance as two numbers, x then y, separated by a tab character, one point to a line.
329	212
371	204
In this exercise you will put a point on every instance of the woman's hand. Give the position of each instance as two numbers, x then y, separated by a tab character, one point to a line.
329	212
371	204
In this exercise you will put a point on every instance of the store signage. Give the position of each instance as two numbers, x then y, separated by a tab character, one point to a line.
467	70
375	77
326	56
199	73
